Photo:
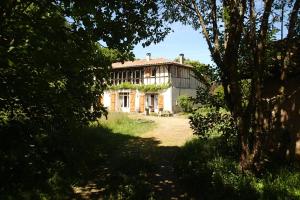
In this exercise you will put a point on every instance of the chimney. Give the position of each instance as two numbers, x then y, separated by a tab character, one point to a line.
148	56
181	58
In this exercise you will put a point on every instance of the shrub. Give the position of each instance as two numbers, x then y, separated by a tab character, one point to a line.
185	103
209	122
142	88
218	94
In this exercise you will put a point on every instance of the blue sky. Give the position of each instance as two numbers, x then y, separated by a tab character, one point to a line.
184	40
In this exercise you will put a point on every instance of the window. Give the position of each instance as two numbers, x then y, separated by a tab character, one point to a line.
129	74
137	77
112	78
153	71
124	76
119	77
124	99
142	76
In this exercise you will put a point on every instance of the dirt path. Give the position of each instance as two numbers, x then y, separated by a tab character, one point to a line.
169	131
144	164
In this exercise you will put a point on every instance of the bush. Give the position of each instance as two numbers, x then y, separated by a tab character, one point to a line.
218	94
209	122
185	103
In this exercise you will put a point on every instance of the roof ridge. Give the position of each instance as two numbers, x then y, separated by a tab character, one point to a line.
145	62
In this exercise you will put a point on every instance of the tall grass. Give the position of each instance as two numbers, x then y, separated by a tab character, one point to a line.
208	172
122	123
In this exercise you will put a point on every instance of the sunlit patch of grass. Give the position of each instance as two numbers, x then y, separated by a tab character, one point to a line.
122	123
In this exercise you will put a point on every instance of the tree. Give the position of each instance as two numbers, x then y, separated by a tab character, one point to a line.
52	71
238	35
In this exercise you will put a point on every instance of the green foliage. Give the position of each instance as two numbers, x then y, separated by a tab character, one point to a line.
185	103
246	51
211	120
83	153
154	87
142	88
218	94
125	85
216	123
52	71
283	184
208	172
47	85
205	97
245	89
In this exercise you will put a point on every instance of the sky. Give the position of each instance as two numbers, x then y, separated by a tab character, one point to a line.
184	40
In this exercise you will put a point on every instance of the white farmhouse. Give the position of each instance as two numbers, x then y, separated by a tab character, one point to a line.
153	84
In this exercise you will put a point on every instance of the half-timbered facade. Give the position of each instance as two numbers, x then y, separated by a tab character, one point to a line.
165	79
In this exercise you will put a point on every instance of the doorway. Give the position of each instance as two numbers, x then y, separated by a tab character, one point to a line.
124	101
152	102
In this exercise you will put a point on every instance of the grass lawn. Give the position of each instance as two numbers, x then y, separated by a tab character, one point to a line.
122	123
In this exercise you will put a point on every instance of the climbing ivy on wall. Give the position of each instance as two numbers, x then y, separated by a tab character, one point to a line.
142	88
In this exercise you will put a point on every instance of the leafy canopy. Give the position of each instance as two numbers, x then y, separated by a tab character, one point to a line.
52	70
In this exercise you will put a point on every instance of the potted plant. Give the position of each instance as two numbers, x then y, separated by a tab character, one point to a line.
147	109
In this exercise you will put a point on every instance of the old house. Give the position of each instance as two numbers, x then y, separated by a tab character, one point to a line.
153	84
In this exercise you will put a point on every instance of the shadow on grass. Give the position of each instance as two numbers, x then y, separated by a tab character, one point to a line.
209	169
106	165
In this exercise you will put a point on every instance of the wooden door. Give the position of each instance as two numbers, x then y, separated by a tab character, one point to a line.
112	102
142	103
132	101
160	102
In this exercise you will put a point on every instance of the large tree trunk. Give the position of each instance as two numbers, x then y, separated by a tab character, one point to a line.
254	120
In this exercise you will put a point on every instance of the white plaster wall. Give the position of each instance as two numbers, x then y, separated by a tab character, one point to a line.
176	92
137	101
168	99
164	72
106	99
160	71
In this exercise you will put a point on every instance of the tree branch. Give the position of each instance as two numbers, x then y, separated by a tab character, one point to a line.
291	34
203	26
263	33
215	28
293	20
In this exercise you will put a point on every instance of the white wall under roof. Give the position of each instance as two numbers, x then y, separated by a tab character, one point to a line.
176	92
106	99
167	94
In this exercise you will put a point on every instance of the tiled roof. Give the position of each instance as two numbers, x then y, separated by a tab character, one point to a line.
144	62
